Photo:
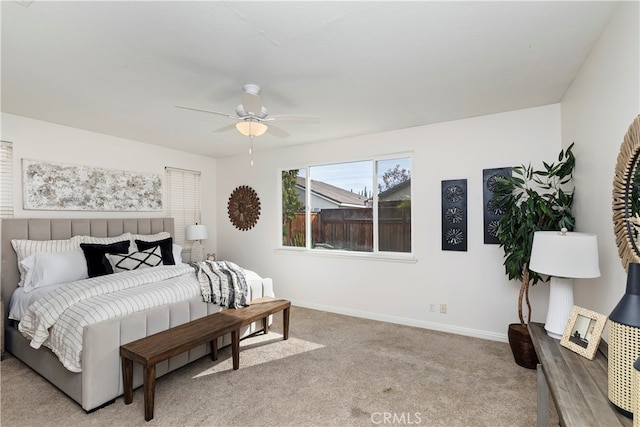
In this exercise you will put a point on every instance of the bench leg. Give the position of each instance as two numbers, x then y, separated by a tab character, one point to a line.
235	348
127	380
265	325
214	349
149	390
285	322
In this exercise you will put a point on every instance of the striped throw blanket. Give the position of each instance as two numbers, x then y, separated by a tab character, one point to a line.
222	282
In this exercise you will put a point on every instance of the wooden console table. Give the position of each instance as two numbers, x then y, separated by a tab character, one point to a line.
578	385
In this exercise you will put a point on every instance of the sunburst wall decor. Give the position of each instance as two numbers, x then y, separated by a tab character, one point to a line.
244	208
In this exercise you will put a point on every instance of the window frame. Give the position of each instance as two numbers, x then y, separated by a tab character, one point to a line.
341	253
181	215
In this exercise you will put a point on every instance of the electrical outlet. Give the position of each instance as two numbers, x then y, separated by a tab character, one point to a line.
432	308
443	308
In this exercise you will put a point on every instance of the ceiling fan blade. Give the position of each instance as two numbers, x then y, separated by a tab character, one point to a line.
251	103
225	128
294	119
276	131
207	111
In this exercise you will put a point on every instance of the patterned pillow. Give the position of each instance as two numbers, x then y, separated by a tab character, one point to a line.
134	261
106	240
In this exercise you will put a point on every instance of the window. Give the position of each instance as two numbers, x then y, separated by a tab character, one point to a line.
394	205
183	201
6	179
362	206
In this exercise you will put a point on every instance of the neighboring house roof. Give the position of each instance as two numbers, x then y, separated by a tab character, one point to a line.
396	188
335	194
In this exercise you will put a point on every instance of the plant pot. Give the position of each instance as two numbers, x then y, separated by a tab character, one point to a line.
522	346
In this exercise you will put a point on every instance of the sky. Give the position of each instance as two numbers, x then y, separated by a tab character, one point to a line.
355	176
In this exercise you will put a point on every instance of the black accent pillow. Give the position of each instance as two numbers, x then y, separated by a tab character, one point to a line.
97	263
166	249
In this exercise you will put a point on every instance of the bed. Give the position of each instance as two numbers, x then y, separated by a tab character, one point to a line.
100	379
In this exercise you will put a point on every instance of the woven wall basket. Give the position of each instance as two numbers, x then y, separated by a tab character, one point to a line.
635	393
624	349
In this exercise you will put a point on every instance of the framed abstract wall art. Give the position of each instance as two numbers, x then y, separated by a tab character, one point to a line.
56	186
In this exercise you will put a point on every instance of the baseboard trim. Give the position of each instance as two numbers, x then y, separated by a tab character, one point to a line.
476	333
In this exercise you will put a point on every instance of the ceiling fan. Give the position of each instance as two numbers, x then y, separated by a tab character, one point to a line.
252	118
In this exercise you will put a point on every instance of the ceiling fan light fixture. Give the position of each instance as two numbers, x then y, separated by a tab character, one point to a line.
251	128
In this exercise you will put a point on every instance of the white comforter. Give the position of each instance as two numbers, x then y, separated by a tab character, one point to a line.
57	321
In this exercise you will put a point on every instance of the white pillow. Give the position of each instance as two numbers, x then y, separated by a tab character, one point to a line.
136	260
24	248
177	253
50	268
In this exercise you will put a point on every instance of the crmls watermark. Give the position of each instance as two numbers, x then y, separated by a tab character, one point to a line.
396	418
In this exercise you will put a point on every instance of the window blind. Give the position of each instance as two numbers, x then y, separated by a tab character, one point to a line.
183	201
6	179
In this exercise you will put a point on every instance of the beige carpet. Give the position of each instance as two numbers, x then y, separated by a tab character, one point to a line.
333	371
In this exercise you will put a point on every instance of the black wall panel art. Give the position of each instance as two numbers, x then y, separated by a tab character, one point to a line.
492	213
454	215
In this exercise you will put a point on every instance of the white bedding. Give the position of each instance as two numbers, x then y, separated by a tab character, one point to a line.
58	320
21	300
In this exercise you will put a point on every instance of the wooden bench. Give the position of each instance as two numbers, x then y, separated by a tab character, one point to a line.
149	351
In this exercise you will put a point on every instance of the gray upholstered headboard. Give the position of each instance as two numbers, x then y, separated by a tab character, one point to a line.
60	229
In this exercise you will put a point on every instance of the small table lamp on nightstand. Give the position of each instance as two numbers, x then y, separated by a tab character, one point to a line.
564	256
196	233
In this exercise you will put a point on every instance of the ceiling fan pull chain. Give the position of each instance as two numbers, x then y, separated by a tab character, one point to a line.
251	151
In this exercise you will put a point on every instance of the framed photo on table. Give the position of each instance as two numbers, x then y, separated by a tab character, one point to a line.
583	332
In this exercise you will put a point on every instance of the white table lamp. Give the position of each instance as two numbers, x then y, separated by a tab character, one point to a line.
564	256
196	233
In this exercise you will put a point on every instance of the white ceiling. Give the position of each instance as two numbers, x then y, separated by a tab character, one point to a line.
119	68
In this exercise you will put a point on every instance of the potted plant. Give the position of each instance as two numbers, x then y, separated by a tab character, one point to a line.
532	200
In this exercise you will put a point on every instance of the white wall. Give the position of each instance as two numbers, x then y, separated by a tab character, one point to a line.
597	110
480	300
38	140
595	113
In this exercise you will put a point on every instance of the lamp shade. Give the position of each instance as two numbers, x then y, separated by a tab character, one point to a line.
251	128
565	254
196	232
